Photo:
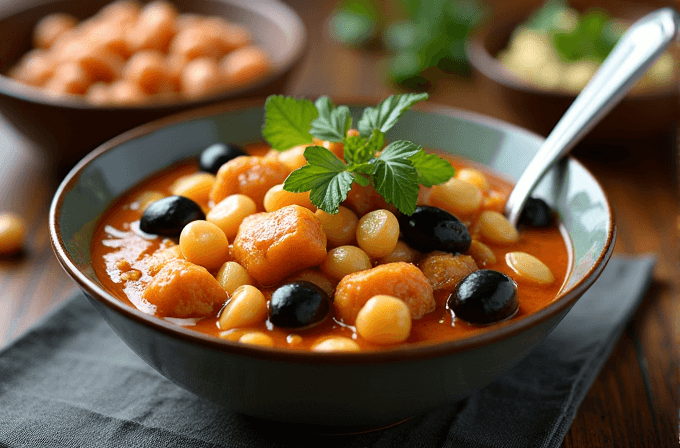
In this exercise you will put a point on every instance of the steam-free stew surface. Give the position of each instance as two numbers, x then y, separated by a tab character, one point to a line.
119	246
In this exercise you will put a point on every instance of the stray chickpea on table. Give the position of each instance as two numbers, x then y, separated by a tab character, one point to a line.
12	233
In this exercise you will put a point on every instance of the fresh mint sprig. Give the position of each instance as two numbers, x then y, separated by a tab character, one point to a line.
395	170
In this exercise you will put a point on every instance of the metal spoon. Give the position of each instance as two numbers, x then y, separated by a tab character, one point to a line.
635	52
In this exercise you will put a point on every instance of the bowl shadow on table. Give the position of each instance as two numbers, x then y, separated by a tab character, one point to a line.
639	115
65	129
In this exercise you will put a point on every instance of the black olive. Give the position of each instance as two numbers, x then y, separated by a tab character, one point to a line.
536	213
168	216
299	304
483	297
216	155
431	228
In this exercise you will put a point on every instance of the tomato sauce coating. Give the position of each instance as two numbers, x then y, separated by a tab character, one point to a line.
122	259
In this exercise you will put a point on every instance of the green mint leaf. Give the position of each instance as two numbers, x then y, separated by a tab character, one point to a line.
362	180
395	178
432	169
360	149
386	114
287	121
324	176
332	123
363	168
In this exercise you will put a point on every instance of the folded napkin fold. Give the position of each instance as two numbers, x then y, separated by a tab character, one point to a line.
70	382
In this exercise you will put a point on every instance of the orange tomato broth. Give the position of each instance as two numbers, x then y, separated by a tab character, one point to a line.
115	240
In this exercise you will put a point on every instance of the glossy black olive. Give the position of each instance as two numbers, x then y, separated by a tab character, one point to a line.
431	228
299	304
483	297
536	213
216	155
168	216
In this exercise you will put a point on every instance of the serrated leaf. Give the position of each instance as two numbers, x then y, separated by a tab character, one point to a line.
397	181
324	176
332	124
399	150
432	169
360	149
287	121
386	114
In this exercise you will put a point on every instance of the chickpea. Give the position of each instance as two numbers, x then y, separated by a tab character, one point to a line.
201	77
336	344
482	254
98	93
188	20
99	64
120	12
293	158
35	68
148	70
195	187
197	41
529	268
402	252
277	198
345	260
473	176
257	338
110	37
495	228
230	212
155	27
124	92
340	227
377	233
12	233
175	64
245	65
494	201
231	35
246	307
50	27
69	78
204	244
457	196
384	320
232	276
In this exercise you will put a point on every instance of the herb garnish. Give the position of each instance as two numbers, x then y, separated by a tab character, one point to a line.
395	172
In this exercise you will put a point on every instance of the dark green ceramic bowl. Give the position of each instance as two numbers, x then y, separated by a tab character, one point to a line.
357	389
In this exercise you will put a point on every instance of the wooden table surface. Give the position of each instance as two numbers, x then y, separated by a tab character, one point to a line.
634	400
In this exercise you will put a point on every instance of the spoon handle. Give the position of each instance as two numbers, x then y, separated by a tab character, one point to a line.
635	52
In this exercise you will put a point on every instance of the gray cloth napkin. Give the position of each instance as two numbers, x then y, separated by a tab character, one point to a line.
70	382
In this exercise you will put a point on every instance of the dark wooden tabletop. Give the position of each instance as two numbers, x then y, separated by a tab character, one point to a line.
634	400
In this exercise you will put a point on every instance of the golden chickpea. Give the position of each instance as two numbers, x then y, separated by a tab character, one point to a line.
384	320
148	70
232	276
155	27
98	93
293	158
336	344
246	307
257	338
12	233
69	78
377	233
50	27
277	198
188	20
345	260
482	254
457	196
402	252
245	65
495	228
473	176
529	268
230	212
204	244
195	187
494	201
35	68
120	12
110	37
124	92
145	198
197	41
340	227
201	77
231	35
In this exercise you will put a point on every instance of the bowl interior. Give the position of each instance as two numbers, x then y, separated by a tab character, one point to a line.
274	27
121	163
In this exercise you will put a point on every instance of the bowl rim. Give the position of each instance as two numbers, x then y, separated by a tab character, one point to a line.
481	60
564	300
277	12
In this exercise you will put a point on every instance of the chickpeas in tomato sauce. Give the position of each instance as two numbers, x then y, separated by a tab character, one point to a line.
221	248
129	53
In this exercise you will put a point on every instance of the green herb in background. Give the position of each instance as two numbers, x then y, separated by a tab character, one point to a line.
432	35
395	173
